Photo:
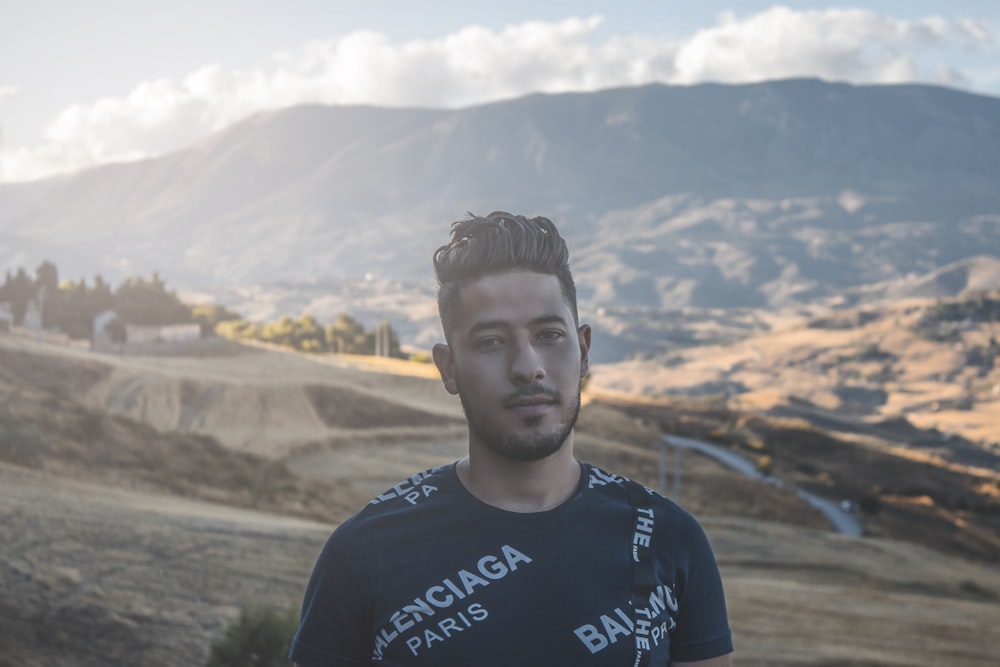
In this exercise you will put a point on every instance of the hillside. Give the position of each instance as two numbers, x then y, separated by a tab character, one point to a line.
124	543
243	427
895	370
95	576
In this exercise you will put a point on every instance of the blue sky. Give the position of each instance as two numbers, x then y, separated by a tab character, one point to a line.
107	80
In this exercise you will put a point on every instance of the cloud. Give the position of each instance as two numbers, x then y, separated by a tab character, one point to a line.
476	64
856	45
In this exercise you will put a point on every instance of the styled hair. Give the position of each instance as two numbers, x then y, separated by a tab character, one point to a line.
499	243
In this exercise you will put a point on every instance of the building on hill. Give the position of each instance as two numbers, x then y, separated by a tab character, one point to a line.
114	336
167	333
135	334
32	317
101	333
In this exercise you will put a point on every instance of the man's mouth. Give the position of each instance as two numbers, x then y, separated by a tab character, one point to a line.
531	403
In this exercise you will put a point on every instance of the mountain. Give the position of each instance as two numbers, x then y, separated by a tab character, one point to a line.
711	196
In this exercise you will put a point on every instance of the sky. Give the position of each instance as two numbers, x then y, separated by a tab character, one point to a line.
88	83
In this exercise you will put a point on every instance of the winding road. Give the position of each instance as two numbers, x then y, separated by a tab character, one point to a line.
845	523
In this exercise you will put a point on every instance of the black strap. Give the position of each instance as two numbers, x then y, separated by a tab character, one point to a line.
642	570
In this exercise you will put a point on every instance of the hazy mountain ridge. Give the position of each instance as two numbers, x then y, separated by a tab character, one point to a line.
321	194
685	251
710	196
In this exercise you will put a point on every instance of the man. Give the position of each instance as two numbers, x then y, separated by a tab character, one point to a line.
517	555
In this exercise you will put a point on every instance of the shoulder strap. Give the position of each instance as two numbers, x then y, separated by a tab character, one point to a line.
642	569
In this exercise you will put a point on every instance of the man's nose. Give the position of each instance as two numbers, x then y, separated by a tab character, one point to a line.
526	364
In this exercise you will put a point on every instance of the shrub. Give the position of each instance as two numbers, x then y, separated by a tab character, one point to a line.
870	503
765	464
90	424
21	448
261	637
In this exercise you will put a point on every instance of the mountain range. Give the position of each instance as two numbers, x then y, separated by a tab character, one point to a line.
767	195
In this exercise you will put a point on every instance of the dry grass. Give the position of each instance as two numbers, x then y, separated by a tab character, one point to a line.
105	549
932	383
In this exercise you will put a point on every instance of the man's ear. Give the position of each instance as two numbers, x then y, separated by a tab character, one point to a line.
583	334
446	366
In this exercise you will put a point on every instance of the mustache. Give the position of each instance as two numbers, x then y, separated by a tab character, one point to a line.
532	391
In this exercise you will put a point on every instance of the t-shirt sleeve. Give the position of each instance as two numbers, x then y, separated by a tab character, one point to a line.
334	630
702	630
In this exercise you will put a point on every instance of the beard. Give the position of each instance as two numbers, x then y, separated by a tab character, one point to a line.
532	445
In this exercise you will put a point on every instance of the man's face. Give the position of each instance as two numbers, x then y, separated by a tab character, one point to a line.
515	360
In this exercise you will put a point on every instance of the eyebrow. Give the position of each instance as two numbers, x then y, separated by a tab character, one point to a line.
501	324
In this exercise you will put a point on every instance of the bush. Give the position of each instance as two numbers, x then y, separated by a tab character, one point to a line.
21	448
765	464
89	424
261	636
870	503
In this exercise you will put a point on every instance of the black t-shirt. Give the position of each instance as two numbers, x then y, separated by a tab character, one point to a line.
427	574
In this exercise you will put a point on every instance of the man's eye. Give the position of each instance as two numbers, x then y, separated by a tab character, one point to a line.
488	343
551	335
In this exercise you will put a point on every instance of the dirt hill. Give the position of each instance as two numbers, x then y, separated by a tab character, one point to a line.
122	481
932	363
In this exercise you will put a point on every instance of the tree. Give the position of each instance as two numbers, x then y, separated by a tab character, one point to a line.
73	317
345	335
147	302
100	298
47	276
280	332
209	316
47	292
20	291
308	335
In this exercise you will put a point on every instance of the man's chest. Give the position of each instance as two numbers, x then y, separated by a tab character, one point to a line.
552	594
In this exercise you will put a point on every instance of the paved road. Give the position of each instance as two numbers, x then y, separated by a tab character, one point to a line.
845	523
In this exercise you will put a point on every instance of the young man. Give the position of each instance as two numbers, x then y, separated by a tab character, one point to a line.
518	554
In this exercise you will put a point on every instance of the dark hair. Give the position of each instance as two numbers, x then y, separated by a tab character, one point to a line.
499	243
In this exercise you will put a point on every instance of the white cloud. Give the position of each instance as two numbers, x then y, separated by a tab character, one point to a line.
855	45
476	65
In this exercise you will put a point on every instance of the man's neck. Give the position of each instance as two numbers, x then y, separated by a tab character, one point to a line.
521	486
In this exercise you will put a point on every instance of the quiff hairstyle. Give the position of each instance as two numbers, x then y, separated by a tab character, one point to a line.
499	243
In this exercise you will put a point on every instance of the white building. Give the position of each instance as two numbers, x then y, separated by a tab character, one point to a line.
101	322
32	317
168	333
142	335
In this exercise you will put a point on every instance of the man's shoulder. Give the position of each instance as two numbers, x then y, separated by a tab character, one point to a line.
407	496
415	488
618	486
612	487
